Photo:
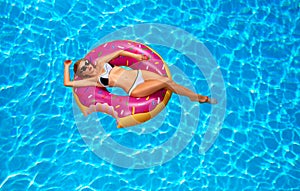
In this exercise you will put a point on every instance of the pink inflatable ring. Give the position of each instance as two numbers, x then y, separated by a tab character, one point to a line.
127	110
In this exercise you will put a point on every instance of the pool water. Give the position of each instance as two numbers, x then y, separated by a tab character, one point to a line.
256	48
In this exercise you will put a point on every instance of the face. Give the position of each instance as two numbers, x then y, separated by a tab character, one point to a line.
86	68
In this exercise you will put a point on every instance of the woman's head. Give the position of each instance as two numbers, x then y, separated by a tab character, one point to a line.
84	68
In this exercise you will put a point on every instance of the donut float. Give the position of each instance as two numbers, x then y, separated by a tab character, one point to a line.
127	110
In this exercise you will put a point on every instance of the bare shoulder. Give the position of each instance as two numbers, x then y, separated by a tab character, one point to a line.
99	63
100	60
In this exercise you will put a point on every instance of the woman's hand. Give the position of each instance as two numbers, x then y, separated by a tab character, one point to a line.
141	57
68	62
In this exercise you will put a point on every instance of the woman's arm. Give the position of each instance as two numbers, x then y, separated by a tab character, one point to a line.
113	55
67	81
129	54
77	83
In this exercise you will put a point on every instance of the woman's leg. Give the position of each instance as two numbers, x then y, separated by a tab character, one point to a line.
154	82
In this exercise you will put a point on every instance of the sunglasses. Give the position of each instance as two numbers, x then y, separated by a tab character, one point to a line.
86	63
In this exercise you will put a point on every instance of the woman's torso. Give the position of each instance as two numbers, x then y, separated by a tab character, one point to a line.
117	77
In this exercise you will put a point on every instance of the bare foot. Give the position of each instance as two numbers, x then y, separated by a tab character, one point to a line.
206	99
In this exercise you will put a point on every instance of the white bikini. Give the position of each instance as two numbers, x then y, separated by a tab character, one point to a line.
104	78
138	80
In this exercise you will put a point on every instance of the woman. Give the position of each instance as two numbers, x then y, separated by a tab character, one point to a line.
137	83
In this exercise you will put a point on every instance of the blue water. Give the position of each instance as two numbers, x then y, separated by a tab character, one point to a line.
255	44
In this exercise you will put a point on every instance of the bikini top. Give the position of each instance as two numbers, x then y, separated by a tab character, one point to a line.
103	78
